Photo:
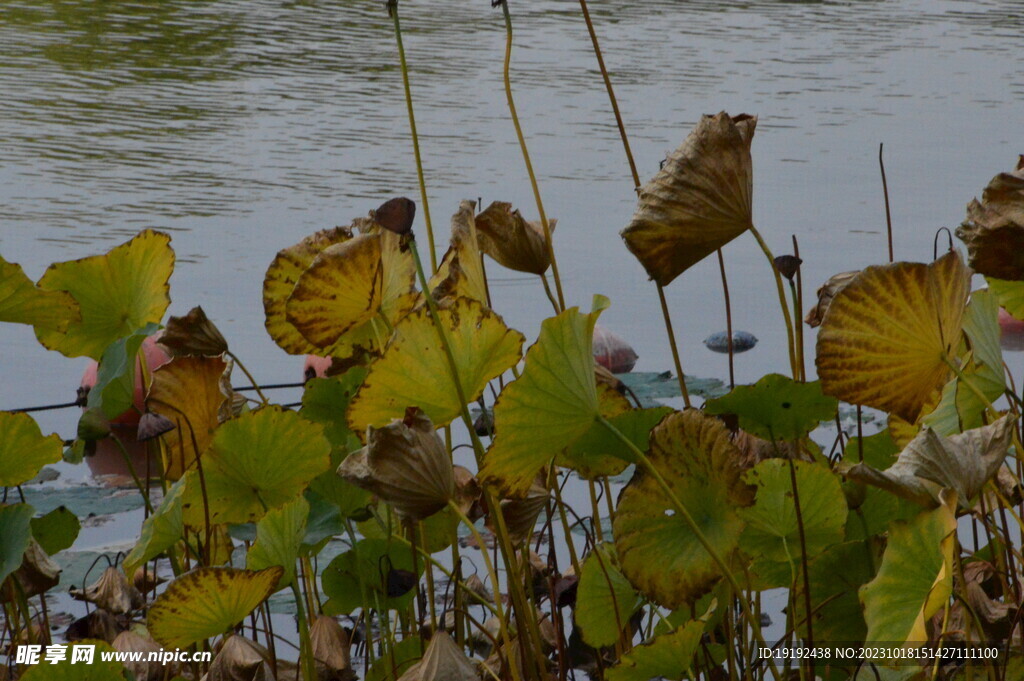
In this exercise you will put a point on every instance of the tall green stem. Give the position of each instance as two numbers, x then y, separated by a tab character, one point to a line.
305	644
782	300
672	344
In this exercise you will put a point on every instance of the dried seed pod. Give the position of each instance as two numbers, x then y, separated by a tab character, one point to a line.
112	592
145	579
787	265
152	425
396	215
193	335
477	587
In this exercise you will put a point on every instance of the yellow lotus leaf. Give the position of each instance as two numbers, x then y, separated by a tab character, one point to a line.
23	303
461	273
23	449
187	391
699	201
117	294
994	229
513	241
550	406
280	279
208	602
889	335
414	370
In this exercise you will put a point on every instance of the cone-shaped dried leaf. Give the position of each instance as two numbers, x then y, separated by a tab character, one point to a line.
37	573
330	646
605	599
258	461
405	464
551	405
915	579
279	536
23	449
521	514
443	660
285	270
414	371
461	273
191	335
826	292
145	668
207	602
963	462
187	391
240	659
657	551
21	302
112	592
511	240
994	229
117	294
699	201
889	334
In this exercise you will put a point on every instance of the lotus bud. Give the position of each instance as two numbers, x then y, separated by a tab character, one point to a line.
240	659
193	335
787	265
331	650
112	592
826	293
396	215
443	660
511	240
406	465
153	425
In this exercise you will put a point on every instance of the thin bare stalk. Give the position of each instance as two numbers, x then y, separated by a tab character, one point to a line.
728	317
255	385
885	191
672	344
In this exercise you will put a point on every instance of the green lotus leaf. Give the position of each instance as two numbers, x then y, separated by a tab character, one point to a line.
160	531
257	462
772	531
658	552
16	530
598	454
114	391
404	655
777	407
23	449
208	602
605	600
551	405
56	531
414	371
836	575
1010	295
914	580
279	536
118	293
74	669
364	569
21	302
667	656
878	508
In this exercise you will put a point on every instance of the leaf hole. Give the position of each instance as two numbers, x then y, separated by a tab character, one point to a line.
786	405
670	512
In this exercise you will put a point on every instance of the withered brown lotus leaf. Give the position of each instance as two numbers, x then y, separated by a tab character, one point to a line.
443	660
890	335
826	292
994	228
461	272
330	646
193	335
240	659
699	201
145	578
283	273
112	592
521	513
406	465
476	586
467	492
97	625
142	669
36	575
513	241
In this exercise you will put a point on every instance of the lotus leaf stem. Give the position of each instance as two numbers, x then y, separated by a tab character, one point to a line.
305	645
782	298
672	344
255	385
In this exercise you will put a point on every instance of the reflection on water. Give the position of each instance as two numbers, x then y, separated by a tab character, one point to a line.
240	126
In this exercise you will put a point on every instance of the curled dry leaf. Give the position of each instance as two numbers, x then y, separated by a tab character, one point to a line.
511	240
443	660
994	228
521	514
406	465
98	625
240	659
142	668
461	273
825	294
330	646
112	592
699	201
36	575
192	335
963	462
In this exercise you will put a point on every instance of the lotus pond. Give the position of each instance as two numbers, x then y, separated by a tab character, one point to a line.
448	497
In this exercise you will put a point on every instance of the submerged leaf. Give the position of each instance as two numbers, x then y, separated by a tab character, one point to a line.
994	228
777	407
512	241
890	334
23	449
23	303
699	201
117	293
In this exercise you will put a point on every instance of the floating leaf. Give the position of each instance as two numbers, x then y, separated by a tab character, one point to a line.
366	566
118	293
994	228
667	656
15	528
461	273
777	407
160	531
187	391
698	202
256	462
193	335
650	386
406	465
99	669
890	334
443	660
208	602
605	600
1010	295
772	532
23	449
279	535
512	241
56	531
21	302
551	405
657	550
598	454
414	371
915	579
